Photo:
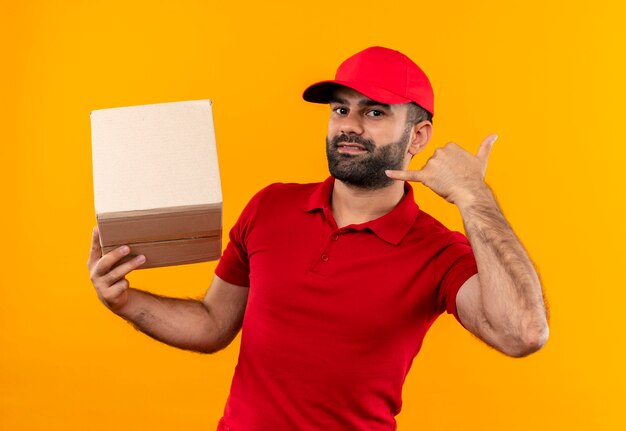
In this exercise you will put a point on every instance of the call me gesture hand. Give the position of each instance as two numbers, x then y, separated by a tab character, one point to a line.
503	305
452	172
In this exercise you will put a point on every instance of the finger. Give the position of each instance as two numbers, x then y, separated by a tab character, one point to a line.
124	269
116	290
485	148
108	261
96	251
405	175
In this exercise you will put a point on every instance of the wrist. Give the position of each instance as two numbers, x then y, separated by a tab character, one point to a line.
478	196
124	304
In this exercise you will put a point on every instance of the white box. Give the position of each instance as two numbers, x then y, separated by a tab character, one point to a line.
157	183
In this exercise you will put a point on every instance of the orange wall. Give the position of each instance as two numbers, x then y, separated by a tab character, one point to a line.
548	77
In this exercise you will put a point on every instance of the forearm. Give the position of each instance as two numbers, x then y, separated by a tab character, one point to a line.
510	290
183	323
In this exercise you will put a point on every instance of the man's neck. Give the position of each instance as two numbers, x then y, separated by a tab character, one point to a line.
352	205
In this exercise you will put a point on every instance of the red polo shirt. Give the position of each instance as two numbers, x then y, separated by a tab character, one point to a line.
334	316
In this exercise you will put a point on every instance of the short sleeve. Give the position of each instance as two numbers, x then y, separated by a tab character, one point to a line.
234	265
454	265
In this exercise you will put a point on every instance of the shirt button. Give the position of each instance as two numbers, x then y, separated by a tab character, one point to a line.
334	237
325	257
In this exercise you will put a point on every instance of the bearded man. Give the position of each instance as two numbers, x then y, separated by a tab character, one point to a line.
334	284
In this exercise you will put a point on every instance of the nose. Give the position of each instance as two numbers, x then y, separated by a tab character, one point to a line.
351	123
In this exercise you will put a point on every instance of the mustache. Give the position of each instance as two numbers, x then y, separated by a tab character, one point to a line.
368	144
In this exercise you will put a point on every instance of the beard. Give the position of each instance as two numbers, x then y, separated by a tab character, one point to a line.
366	171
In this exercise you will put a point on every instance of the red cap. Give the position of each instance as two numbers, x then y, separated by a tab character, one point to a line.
383	75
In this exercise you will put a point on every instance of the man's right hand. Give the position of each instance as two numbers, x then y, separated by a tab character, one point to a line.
202	326
108	279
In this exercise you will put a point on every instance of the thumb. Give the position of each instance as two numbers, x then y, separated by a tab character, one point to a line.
405	175
95	252
485	148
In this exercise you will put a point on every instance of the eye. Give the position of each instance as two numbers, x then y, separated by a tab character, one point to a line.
375	113
340	110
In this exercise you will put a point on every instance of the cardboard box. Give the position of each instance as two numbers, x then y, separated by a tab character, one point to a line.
156	181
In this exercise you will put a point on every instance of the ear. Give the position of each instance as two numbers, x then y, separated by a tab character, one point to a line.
420	136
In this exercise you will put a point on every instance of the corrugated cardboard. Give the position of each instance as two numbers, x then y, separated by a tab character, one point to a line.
156	181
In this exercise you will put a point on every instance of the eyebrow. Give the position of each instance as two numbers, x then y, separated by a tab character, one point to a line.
362	102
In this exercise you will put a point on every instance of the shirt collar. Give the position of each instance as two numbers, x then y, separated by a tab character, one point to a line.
391	227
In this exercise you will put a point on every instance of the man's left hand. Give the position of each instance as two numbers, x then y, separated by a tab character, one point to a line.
452	172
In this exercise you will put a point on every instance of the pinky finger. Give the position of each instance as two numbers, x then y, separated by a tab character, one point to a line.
405	175
116	290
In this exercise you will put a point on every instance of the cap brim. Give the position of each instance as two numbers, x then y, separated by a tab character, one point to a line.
322	92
